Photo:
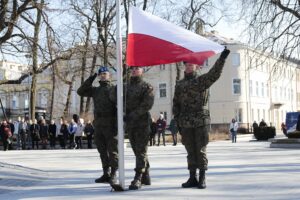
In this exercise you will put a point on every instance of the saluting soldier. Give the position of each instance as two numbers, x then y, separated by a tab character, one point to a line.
105	120
192	116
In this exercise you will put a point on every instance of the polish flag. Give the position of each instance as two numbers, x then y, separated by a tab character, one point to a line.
153	41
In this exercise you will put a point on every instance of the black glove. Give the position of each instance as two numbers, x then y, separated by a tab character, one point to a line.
225	53
93	77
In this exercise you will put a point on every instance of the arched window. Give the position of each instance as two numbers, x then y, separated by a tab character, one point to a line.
42	97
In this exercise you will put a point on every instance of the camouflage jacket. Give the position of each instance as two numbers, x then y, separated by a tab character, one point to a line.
139	100
104	108
191	96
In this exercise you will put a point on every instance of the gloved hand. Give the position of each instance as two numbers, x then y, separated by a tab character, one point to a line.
93	77
225	53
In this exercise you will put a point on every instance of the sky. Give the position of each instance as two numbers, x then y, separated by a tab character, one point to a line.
224	28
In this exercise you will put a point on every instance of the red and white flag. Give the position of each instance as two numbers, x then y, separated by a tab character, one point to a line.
153	41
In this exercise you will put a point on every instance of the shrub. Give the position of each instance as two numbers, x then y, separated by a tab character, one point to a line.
264	133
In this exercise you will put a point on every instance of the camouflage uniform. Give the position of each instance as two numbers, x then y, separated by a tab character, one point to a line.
105	136
192	115
139	100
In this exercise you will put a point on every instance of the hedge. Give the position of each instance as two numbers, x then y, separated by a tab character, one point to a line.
264	133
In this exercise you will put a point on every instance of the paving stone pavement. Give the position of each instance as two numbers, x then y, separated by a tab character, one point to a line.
15	177
237	171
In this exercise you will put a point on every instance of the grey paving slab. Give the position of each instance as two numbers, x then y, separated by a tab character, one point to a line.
243	170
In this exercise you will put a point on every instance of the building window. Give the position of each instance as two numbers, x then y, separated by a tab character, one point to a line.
26	100
239	114
262	89
43	95
267	90
14	102
252	114
165	115
250	88
236	86
257	88
162	67
235	59
162	90
258	115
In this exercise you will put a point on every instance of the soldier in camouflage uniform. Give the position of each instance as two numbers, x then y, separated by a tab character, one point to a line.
139	100
105	115
192	116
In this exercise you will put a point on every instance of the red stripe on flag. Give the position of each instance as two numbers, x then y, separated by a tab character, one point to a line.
145	50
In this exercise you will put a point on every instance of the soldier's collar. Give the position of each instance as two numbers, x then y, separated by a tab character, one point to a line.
190	75
135	79
103	83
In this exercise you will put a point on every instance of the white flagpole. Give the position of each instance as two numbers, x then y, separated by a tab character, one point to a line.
120	98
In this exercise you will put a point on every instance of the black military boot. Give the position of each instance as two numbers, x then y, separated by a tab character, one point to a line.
202	183
104	178
136	183
113	177
146	180
192	181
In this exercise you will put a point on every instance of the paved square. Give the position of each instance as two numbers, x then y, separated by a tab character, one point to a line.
243	170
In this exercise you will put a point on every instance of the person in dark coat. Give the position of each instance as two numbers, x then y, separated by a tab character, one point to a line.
44	133
6	134
153	132
89	132
52	134
174	130
64	130
161	129
35	134
262	123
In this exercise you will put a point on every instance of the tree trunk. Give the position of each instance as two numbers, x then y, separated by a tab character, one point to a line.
52	93
35	61
68	102
32	97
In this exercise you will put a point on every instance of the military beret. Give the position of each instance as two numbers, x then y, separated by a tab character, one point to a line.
103	69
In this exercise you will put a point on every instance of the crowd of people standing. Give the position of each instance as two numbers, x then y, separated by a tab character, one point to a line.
40	134
158	130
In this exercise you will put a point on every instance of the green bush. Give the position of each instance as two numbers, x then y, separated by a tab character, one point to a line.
264	133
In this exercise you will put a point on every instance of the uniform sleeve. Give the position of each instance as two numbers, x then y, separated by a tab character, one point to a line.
86	89
206	80
176	104
113	94
146	103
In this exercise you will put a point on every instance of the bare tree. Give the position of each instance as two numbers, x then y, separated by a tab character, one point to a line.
10	12
196	14
273	26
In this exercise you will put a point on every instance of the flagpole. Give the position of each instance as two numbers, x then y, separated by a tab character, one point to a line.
120	98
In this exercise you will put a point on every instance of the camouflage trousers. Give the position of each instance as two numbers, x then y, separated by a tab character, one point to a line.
106	140
195	141
139	137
